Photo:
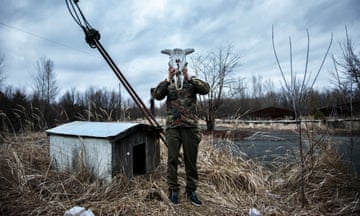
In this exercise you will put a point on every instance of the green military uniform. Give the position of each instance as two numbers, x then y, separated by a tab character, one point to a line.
182	128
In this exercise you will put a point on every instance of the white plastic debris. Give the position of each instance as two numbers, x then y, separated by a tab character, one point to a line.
254	212
78	211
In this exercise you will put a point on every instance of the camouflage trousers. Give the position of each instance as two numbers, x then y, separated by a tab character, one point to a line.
189	138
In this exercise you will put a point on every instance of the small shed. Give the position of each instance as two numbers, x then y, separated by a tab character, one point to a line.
105	148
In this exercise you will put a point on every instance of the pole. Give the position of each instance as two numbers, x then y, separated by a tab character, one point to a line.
129	88
92	37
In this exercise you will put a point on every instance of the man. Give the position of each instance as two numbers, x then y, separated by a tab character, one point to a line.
182	130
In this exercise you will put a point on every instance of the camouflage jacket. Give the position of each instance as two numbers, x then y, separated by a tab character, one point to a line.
181	104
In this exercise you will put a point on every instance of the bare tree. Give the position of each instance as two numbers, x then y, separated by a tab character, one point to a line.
271	97
257	86
2	76
296	90
346	77
45	90
216	68
45	84
238	89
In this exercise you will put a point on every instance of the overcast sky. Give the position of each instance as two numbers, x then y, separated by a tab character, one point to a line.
134	33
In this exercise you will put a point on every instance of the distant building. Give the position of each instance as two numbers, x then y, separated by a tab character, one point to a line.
271	113
105	148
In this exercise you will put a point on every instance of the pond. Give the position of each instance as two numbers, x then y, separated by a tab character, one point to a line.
275	147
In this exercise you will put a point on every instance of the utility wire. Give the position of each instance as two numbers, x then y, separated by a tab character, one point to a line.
43	38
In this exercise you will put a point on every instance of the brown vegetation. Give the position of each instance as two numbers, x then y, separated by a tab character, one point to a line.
228	185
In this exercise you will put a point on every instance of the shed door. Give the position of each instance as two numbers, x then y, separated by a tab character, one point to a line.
122	158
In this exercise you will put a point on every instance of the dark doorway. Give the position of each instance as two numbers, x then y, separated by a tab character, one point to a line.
139	159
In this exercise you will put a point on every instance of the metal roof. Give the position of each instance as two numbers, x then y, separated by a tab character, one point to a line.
92	129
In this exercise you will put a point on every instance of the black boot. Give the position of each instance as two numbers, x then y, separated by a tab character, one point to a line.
173	197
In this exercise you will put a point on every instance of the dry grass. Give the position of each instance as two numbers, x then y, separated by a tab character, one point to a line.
228	185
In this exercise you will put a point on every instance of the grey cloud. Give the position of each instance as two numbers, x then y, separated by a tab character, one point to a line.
134	32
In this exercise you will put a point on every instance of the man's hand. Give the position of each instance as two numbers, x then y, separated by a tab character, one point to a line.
172	72
171	75
186	74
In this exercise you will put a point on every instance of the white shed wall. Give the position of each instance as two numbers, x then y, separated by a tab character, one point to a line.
67	152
